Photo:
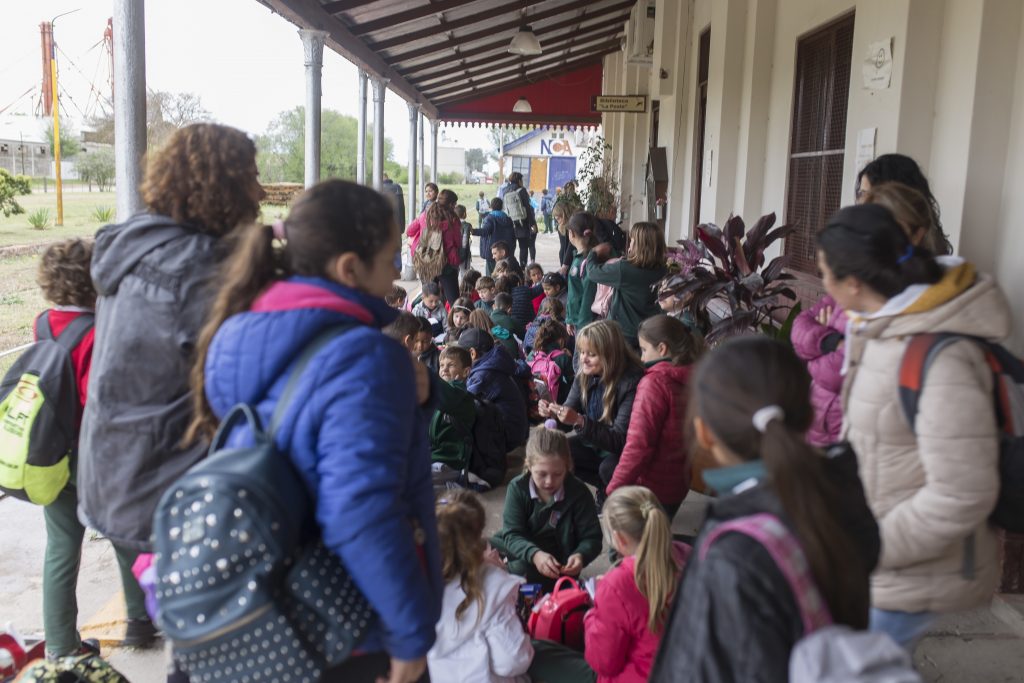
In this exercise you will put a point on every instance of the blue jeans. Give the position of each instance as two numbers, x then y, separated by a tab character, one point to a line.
906	628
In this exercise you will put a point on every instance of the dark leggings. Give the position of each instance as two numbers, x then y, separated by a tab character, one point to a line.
591	467
449	283
524	248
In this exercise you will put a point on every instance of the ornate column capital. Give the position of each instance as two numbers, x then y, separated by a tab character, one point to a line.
313	45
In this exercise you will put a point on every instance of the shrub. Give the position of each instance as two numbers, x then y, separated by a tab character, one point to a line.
10	187
103	214
39	219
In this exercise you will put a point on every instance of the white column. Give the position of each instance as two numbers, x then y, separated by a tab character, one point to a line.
414	114
433	150
379	88
422	148
129	103
361	131
313	46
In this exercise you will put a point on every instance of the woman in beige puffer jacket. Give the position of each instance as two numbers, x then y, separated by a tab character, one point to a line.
932	488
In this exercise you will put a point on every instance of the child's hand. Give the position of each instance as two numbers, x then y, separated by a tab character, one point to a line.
546	564
825	316
544	407
492	556
601	252
574	565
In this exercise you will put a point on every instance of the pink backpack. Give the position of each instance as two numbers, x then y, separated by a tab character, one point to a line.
544	368
789	557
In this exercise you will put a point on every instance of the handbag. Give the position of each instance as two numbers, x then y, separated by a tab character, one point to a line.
558	617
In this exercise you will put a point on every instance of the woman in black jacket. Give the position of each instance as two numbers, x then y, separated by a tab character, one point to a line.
600	402
735	617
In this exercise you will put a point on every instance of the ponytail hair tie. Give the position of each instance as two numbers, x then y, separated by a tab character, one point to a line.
765	415
907	255
550	424
278	229
645	509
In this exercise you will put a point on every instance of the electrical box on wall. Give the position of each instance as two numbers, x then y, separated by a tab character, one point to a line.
640	33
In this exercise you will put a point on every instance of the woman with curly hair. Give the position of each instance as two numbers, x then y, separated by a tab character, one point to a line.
153	275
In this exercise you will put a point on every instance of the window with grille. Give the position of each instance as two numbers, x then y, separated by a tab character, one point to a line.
818	136
522	164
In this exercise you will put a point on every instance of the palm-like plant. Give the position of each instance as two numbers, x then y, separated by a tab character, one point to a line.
733	271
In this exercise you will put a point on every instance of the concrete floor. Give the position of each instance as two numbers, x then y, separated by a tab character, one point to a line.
975	647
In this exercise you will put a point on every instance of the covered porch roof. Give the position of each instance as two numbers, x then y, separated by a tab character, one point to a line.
451	56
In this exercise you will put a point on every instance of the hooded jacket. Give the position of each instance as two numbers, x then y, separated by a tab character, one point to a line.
634	298
816	345
932	488
734	618
488	644
656	455
493	378
152	278
595	433
451	238
619	645
496	227
356	437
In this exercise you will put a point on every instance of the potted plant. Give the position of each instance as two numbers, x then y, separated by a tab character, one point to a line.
599	188
725	285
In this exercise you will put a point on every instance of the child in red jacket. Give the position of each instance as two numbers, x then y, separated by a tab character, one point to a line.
623	629
655	454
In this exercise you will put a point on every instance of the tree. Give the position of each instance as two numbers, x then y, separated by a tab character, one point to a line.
69	144
10	187
501	136
280	152
475	159
97	168
165	113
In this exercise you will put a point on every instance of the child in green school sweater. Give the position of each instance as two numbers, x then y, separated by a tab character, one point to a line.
550	521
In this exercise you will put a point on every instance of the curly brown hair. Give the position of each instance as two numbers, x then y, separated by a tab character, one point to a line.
64	274
204	176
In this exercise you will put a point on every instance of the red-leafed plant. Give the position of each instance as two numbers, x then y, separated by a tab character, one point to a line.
730	290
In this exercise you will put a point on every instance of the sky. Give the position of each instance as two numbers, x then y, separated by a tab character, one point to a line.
244	62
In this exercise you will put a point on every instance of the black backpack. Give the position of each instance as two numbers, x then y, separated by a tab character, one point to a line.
247	590
39	414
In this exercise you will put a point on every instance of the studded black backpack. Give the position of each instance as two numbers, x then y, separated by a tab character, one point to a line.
247	590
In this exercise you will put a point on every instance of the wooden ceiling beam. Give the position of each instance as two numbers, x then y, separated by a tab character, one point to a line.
505	85
436	8
434	89
342	6
489	31
495	62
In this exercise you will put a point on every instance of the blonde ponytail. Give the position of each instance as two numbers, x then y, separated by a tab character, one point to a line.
635	512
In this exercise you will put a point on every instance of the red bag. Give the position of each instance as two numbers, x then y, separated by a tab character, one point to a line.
559	616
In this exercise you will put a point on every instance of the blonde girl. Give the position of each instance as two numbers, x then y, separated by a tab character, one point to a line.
550	525
600	403
633	278
479	636
623	629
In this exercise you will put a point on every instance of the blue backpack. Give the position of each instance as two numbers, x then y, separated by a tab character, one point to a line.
247	590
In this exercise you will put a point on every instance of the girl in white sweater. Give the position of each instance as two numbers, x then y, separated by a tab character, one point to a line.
479	635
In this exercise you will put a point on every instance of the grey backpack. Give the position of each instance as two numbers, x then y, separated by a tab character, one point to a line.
838	654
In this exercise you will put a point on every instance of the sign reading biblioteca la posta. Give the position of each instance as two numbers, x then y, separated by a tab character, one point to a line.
636	104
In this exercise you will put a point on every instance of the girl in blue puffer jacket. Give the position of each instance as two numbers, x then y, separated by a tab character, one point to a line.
358	432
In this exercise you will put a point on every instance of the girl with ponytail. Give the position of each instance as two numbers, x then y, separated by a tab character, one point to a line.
356	429
624	627
440	230
479	635
931	479
736	617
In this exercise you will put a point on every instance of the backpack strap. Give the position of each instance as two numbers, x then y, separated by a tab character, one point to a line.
918	357
44	331
769	531
75	332
295	375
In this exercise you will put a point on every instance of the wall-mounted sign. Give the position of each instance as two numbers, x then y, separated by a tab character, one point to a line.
632	104
556	147
877	67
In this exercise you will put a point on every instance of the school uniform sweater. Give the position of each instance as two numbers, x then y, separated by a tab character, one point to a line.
581	292
634	299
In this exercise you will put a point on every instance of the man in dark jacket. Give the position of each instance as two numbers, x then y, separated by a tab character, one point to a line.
393	191
524	221
495	227
493	378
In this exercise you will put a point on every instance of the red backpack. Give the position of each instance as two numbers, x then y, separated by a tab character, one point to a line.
558	617
544	368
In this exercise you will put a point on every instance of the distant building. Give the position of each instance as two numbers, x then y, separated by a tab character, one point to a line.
24	149
547	158
451	160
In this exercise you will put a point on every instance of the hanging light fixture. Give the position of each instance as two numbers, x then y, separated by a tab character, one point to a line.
525	43
522	106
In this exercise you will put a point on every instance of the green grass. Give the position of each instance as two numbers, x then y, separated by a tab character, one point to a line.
78	217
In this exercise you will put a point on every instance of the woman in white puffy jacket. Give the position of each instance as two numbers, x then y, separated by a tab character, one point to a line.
479	636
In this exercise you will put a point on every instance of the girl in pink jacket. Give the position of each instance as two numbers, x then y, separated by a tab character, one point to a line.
817	336
623	629
440	217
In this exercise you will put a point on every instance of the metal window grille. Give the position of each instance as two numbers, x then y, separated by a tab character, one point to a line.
818	136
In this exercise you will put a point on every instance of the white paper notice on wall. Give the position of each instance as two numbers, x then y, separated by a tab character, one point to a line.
865	146
877	67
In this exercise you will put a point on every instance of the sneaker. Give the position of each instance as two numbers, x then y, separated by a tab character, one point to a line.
139	633
90	647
